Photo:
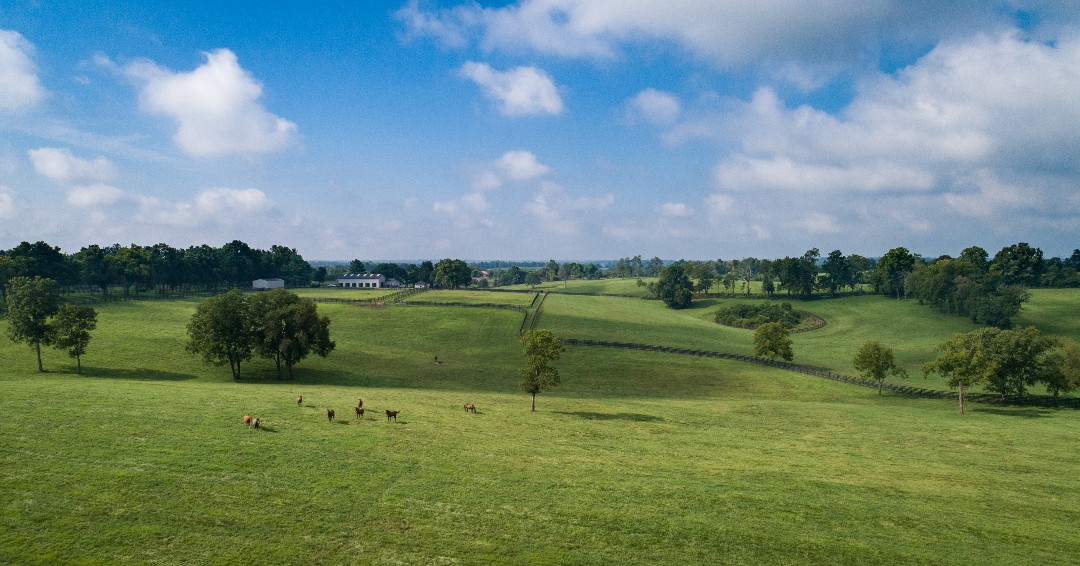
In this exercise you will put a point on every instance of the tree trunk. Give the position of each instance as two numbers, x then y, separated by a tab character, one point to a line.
879	384
78	363
534	402
961	399
37	346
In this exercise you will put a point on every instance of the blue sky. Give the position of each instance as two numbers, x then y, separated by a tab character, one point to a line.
697	129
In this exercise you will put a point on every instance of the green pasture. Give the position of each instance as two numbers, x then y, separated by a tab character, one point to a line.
474	297
636	458
627	286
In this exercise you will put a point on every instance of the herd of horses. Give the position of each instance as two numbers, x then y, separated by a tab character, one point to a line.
249	421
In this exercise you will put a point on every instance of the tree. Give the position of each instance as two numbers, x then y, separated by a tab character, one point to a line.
452	273
287	328
892	270
674	287
30	303
771	340
837	272
1063	373
1018	264
71	330
541	348
356	266
221	331
875	361
965	360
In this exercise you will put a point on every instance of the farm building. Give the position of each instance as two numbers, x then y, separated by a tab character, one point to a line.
264	284
367	281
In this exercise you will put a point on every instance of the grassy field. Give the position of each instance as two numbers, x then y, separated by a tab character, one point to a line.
636	458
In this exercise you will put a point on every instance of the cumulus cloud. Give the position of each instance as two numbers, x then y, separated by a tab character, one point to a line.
655	107
521	165
61	165
521	91
216	106
20	88
7	202
89	196
557	212
724	32
816	223
718	205
676	210
222	205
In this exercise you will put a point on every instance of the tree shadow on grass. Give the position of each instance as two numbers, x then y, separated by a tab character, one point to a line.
135	374
1022	412
592	416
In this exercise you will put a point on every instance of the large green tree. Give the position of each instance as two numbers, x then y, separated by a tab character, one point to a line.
674	287
452	273
541	348
221	331
964	360
876	361
71	329
288	328
772	341
30	303
892	271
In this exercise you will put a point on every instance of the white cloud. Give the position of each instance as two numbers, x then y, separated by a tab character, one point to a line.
221	205
725	32
676	210
88	196
20	88
655	107
7	202
521	166
60	165
718	205
216	107
816	223
559	213
521	91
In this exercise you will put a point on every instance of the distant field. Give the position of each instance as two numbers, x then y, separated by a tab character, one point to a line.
636	458
627	286
474	297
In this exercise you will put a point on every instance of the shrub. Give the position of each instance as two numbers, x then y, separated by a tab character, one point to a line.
754	315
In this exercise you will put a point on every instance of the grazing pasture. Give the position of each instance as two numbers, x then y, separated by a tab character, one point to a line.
636	458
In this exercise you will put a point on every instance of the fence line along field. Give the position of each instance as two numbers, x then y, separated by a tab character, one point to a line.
635	458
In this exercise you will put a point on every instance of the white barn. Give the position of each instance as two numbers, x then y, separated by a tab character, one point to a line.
366	281
264	284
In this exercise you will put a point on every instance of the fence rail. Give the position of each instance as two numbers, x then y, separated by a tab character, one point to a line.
1028	400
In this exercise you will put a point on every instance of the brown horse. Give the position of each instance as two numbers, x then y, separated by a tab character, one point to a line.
391	415
360	413
470	407
255	423
299	400
247	420
330	415
359	402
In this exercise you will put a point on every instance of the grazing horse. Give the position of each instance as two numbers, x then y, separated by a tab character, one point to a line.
470	407
391	415
247	420
360	413
299	400
255	423
330	415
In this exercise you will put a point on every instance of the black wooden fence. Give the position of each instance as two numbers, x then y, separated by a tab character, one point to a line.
1027	400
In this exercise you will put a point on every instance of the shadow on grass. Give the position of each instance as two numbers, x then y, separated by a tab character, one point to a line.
589	415
1022	412
135	374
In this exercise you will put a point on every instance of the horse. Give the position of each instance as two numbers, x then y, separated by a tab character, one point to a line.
247	420
391	415
359	402
360	413
330	415
470	407
255	423
299	400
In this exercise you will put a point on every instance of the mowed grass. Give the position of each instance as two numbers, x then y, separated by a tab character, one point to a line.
626	286
636	458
